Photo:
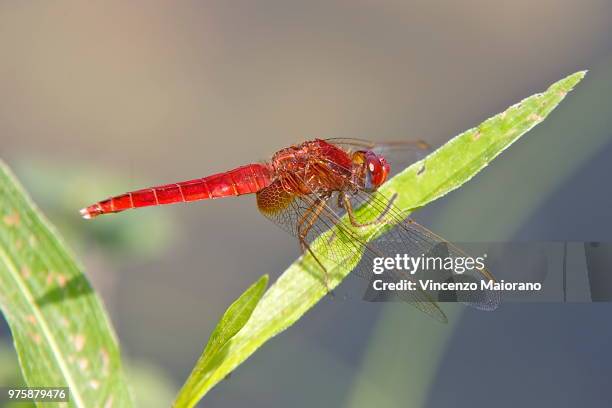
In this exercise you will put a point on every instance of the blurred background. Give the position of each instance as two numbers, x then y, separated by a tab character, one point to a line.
98	99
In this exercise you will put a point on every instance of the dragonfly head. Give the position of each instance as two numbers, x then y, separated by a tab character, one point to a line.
370	169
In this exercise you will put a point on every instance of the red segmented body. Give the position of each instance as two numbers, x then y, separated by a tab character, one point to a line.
242	180
315	164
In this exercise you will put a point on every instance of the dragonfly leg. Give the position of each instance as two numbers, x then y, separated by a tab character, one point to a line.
303	220
340	199
346	203
306	248
304	227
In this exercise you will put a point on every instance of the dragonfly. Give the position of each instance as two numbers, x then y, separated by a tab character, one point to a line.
307	189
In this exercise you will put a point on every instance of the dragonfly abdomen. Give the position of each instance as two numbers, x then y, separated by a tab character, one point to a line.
242	180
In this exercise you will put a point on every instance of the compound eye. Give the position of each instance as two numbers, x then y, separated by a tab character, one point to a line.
375	172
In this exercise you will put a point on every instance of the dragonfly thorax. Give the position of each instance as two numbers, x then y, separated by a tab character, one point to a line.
313	167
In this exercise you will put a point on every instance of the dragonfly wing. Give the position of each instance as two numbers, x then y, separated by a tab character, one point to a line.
362	144
400	154
402	235
309	216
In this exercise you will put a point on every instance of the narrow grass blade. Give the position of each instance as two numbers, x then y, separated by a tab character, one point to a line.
59	327
453	164
235	317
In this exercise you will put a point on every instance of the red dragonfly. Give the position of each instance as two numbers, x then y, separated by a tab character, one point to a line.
306	189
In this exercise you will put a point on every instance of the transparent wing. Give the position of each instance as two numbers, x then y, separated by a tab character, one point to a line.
399	153
309	216
362	144
401	235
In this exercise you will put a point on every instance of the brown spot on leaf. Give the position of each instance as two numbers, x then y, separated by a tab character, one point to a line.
79	342
105	361
31	319
49	278
25	272
421	170
109	402
36	337
12	219
535	117
476	135
61	280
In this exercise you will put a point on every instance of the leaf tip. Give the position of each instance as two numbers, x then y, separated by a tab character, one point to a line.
573	79
580	74
262	283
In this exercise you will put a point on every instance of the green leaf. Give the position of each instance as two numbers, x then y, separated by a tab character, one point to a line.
60	330
203	377
299	289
